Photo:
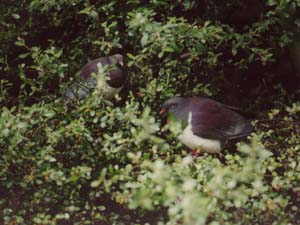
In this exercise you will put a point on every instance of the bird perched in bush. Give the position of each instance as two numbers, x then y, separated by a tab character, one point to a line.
117	78
208	124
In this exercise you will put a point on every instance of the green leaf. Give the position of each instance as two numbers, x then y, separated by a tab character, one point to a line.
16	16
24	55
272	2
234	51
161	54
20	42
144	40
168	49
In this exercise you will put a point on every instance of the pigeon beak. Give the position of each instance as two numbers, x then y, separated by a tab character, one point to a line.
121	63
162	111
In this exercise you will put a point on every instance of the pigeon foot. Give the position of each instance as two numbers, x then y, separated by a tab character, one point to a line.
195	152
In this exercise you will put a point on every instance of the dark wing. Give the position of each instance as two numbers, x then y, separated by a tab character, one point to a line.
212	120
92	67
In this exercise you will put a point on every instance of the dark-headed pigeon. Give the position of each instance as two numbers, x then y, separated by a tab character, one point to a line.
209	123
117	78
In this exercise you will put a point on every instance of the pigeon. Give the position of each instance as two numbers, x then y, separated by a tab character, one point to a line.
208	124
117	78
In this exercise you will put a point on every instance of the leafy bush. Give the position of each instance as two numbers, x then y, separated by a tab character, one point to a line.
97	162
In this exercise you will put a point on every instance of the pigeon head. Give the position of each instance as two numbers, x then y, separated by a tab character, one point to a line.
117	59
172	105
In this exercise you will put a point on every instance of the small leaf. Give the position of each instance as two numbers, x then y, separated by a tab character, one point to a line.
24	55
22	125
234	51
130	56
20	42
16	16
95	183
271	2
161	54
93	14
50	114
144	39
169	49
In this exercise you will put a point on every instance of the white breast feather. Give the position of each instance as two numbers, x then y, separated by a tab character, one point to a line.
193	141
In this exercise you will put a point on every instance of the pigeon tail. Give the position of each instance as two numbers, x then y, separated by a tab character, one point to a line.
246	131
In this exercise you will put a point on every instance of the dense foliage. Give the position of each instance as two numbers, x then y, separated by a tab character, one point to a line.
96	162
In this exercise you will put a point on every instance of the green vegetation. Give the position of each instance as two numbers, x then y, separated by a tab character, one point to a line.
114	163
